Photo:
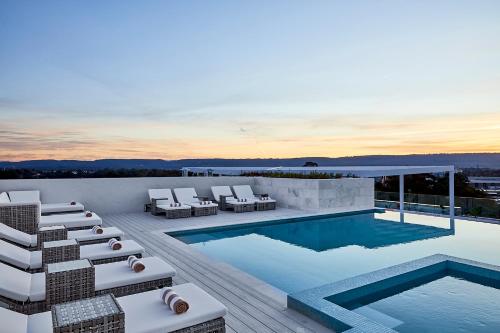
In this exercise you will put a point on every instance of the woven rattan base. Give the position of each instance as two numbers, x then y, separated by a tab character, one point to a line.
205	211
177	213
265	206
114	259
27	308
212	326
97	241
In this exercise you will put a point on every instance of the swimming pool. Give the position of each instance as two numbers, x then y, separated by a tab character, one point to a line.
299	254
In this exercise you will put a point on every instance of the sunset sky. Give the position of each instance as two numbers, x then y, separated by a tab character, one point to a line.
194	79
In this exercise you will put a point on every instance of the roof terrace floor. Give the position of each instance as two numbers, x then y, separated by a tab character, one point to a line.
253	305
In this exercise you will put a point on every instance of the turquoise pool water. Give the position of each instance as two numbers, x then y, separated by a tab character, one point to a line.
295	256
445	305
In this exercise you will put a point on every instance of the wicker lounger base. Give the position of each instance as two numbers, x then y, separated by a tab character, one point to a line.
79	228
63	212
265	206
97	241
114	259
242	208
27	308
177	213
212	326
136	288
204	211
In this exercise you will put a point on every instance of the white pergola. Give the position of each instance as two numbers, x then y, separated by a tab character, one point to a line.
358	171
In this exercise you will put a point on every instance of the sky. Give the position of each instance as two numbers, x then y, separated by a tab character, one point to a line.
243	79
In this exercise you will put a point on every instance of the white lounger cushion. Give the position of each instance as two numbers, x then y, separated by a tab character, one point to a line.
186	195
167	207
25	259
24	196
23	286
102	250
119	274
28	240
70	220
87	234
17	236
144	313
161	193
245	192
62	207
14	283
18	322
15	255
217	191
197	204
32	196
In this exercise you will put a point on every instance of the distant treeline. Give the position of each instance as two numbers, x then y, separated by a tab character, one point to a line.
430	184
104	173
421	184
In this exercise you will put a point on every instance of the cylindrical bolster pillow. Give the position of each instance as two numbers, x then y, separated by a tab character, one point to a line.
135	264
97	230
174	301
114	244
88	214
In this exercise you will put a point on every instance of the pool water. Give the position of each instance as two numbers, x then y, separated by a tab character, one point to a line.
446	305
299	255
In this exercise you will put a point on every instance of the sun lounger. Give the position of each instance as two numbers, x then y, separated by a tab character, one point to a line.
33	242
48	208
144	313
262	201
226	200
97	253
26	217
162	201
26	293
201	205
74	221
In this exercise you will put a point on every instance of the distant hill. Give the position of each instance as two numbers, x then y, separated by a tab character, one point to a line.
472	160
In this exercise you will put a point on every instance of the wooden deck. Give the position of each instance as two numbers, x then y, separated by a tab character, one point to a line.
249	309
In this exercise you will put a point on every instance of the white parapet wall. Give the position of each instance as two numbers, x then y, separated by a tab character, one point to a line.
115	195
126	195
324	195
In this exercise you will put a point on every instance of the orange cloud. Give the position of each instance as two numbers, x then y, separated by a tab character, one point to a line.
262	137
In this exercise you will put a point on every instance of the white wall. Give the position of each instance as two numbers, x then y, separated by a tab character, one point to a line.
329	195
115	195
124	195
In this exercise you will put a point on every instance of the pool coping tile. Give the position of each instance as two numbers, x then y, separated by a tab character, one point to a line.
319	302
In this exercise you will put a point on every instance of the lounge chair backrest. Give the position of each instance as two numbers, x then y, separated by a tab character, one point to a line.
243	192
161	193
24	196
217	191
4	198
186	195
14	255
14	283
14	235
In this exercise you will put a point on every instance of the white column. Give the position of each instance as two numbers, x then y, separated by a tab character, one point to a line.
452	193
401	196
